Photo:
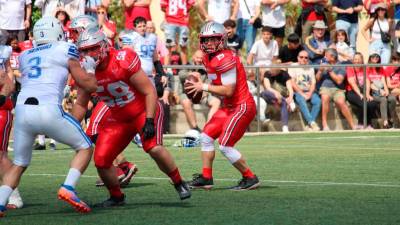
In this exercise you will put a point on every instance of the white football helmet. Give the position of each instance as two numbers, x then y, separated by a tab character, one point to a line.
191	139
94	43
81	23
48	29
212	30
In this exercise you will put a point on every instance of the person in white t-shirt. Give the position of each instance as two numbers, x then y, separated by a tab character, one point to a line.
14	19
49	7
249	11
273	15
219	10
75	8
264	51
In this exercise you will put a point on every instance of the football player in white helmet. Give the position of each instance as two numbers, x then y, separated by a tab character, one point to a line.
38	108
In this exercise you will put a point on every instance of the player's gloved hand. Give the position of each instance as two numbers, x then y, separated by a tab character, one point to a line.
148	129
3	99
89	64
67	90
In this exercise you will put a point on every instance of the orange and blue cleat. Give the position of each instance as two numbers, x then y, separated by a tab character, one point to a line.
68	194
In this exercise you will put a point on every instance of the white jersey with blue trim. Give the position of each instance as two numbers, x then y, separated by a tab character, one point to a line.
144	46
5	54
44	72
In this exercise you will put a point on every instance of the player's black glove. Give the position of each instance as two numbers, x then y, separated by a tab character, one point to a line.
3	99
148	129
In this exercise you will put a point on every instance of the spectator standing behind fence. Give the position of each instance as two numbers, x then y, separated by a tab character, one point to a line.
372	5
92	5
135	8
249	11
279	92
378	36
354	92
288	53
219	10
177	23
264	51
273	15
341	44
332	86
317	42
380	91
15	19
233	40
347	17
396	26
304	86
108	27
312	11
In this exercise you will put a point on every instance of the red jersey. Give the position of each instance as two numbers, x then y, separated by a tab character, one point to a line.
177	11
222	62
375	74
114	87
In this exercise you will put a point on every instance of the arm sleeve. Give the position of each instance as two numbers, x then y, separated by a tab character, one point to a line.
229	77
71	51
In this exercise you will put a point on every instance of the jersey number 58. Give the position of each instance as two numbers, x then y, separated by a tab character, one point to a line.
119	94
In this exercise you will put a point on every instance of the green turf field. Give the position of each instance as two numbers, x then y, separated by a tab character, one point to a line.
323	178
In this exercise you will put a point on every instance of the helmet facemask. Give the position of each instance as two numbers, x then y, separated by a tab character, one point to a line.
212	43
98	51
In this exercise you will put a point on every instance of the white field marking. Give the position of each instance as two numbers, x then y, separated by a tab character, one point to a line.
280	182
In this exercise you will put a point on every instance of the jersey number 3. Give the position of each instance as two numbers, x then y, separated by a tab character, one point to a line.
121	95
35	70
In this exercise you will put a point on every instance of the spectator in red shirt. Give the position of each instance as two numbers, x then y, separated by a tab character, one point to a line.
108	27
133	9
354	91
176	22
393	82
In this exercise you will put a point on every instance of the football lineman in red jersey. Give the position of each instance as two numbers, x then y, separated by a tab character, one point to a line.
229	123
134	108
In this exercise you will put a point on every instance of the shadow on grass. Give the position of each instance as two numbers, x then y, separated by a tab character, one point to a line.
135	205
136	185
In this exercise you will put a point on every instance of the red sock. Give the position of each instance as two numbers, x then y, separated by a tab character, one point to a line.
207	173
115	191
247	173
175	176
123	165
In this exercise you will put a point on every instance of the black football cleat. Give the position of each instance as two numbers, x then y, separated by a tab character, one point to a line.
247	184
183	190
111	202
199	181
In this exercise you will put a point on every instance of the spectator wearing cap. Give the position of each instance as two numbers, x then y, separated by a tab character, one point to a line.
332	86
15	19
317	42
234	42
312	11
347	17
219	11
273	15
133	9
375	30
288	54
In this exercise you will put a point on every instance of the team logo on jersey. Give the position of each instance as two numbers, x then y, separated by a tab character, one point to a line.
121	55
220	56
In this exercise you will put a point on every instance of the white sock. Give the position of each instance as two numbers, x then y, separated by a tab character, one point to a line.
5	192
53	141
72	177
41	139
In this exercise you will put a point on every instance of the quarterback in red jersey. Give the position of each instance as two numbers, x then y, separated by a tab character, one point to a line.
132	99
228	124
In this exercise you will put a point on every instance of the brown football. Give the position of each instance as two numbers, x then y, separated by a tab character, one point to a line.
195	98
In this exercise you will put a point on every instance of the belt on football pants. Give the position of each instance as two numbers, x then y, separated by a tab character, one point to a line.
31	101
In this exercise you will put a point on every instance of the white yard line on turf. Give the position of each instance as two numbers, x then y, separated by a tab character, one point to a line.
267	182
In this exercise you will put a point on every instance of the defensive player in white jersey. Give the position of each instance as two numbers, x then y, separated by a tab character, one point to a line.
38	110
6	117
